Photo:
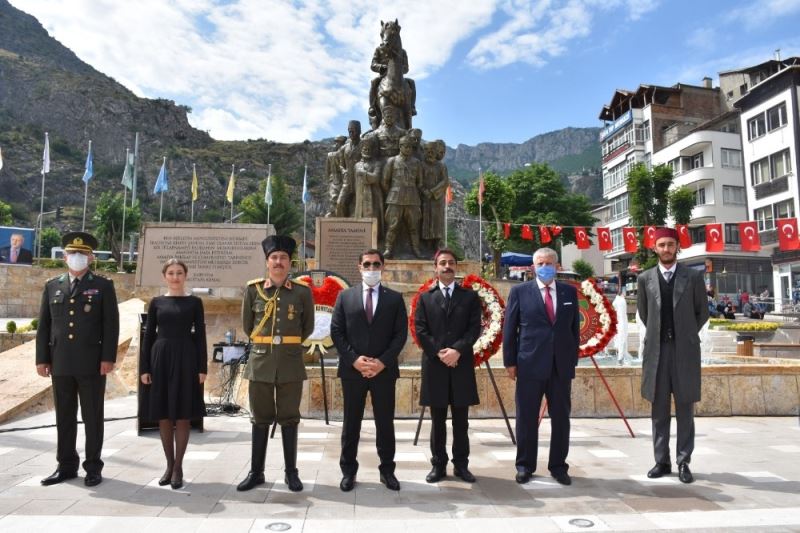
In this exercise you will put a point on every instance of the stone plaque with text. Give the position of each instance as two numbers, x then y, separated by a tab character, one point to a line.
217	255
339	242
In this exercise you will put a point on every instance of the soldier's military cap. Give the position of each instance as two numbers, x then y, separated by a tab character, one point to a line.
278	243
79	241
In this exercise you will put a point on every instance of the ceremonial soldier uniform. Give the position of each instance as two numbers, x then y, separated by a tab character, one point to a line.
76	344
276	318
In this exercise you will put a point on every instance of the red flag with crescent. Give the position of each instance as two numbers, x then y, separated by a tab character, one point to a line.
581	238
649	236
544	235
527	234
683	235
787	234
714	240
604	239
629	237
506	230
555	230
748	236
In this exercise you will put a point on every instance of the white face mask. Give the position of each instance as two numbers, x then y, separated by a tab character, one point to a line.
371	277
77	262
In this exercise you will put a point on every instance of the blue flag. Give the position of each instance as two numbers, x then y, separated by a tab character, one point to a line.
89	172
161	183
306	194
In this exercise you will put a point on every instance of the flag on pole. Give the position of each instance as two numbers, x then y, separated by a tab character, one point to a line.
481	188
162	183
46	155
306	194
231	185
89	171
127	175
448	196
194	183
268	190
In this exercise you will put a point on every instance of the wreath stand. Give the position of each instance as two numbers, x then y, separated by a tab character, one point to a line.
324	396
499	401
610	393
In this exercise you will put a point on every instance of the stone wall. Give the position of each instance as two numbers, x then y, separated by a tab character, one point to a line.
8	341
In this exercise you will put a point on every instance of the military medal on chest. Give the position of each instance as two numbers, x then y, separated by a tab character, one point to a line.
290	315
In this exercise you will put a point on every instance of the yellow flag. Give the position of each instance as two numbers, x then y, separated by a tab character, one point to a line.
231	185
194	184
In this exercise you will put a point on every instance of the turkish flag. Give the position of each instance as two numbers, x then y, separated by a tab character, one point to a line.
581	238
506	230
555	230
527	234
544	235
748	236
649	236
604	239
714	240
683	235
787	234
631	243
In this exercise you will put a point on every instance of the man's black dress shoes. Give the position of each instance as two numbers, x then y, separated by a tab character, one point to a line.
57	477
563	478
684	474
347	483
659	470
437	473
92	480
390	481
464	474
523	477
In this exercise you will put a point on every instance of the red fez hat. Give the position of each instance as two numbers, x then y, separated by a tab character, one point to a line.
666	232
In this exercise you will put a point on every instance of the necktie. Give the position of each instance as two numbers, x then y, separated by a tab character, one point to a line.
447	298
14	253
667	275
368	306
74	286
548	305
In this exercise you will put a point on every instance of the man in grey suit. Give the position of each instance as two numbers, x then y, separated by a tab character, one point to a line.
671	300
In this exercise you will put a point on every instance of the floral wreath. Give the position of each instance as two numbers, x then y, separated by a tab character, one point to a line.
492	316
598	318
324	297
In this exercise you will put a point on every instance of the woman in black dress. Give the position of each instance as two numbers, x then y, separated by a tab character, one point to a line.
174	364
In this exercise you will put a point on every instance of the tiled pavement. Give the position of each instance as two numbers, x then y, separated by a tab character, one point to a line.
747	470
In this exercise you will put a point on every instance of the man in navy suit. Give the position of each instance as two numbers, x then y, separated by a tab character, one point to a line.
369	327
540	352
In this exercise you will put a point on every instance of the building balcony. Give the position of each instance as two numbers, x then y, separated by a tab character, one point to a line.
617	152
769	188
769	236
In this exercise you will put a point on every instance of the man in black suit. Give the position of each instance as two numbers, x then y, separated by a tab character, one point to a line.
76	346
15	253
540	351
448	322
369	328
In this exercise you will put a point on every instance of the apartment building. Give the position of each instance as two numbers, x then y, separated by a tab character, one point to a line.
767	97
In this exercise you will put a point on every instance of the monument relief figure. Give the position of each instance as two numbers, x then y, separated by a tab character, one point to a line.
369	195
390	88
434	185
402	181
389	133
349	154
334	174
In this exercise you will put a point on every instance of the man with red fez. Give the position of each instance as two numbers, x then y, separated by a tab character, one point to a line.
672	303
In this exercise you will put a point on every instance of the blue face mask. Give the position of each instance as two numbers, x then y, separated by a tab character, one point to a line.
546	273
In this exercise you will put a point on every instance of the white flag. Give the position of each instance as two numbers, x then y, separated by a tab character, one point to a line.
46	155
1	159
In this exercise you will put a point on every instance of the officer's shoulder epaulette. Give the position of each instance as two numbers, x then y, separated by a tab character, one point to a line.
256	281
55	278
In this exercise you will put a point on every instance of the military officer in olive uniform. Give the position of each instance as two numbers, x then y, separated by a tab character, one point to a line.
76	346
277	315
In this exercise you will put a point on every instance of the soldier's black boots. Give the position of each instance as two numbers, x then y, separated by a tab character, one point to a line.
289	437
259	455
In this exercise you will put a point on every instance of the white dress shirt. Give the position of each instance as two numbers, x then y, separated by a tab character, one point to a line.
552	293
364	293
671	269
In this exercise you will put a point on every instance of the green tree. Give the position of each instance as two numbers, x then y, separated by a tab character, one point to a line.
583	269
284	213
50	238
648	200
681	204
108	222
498	203
5	214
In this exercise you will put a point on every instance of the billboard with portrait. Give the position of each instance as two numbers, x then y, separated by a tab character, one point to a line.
16	246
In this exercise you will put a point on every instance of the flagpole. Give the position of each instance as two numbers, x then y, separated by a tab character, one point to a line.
124	213
161	209
164	168
480	219
305	211
269	184
233	191
194	173
41	204
86	191
135	167
446	208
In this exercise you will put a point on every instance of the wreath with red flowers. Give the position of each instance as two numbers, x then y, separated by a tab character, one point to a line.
492	316
598	318
326	293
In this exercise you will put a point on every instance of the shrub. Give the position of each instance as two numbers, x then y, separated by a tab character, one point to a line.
11	327
35	324
754	326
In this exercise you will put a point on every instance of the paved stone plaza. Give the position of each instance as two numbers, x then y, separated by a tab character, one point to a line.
747	471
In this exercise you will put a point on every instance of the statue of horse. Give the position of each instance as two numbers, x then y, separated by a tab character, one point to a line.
390	88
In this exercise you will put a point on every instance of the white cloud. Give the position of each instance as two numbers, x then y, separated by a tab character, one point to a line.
760	12
538	31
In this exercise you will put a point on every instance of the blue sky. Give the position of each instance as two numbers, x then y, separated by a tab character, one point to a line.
486	70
